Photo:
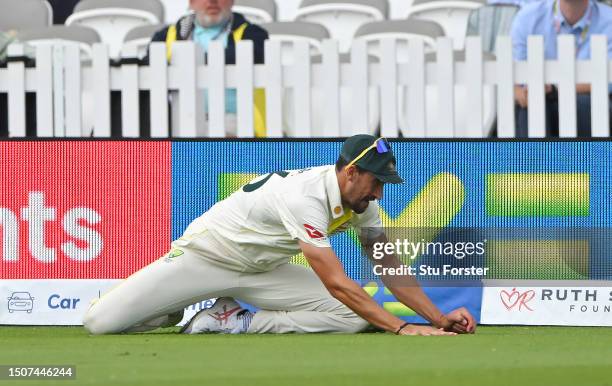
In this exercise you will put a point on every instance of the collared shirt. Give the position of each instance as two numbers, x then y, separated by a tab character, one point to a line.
258	226
203	36
546	19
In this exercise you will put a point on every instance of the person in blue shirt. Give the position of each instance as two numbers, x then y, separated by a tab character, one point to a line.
549	18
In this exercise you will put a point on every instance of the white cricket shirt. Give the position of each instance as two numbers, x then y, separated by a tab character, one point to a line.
257	228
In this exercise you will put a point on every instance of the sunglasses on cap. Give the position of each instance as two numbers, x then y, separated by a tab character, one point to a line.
381	145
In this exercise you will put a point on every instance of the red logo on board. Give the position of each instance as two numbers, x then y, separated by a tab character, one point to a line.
312	232
515	299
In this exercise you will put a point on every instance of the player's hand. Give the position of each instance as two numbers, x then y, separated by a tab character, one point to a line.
424	331
462	321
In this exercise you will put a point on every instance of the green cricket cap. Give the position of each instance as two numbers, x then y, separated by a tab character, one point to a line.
373	155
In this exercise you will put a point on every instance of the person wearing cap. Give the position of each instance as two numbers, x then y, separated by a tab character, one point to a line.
240	250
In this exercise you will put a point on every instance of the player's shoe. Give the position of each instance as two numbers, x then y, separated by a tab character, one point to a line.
225	317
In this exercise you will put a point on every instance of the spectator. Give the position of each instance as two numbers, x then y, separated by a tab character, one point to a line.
214	20
549	18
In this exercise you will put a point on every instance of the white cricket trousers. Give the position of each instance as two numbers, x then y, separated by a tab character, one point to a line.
291	298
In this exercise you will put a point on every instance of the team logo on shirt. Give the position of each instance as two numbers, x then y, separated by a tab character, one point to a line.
313	233
172	254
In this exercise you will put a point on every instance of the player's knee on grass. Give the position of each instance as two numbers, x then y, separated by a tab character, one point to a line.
355	324
102	318
348	322
97	323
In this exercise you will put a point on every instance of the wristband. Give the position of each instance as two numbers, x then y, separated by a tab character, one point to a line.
401	327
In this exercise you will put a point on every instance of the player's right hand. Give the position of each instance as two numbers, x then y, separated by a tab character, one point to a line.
462	321
424	331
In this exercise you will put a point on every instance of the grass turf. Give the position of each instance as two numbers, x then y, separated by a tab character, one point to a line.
495	356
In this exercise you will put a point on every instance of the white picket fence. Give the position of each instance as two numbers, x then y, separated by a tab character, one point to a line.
408	93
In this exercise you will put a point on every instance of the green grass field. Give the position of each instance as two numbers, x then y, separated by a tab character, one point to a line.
495	356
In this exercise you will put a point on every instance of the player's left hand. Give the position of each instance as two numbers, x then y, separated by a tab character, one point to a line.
462	321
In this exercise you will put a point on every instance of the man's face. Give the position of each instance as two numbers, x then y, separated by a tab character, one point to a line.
361	188
212	12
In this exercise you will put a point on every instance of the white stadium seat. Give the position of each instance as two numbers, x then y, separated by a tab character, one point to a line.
84	37
399	8
401	31
112	19
256	11
462	104
452	15
24	14
491	21
140	37
291	32
317	104
342	17
286	9
174	9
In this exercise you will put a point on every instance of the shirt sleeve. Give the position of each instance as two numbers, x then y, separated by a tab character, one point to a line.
519	32
306	219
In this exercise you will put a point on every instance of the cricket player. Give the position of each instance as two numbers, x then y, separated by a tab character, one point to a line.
240	250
